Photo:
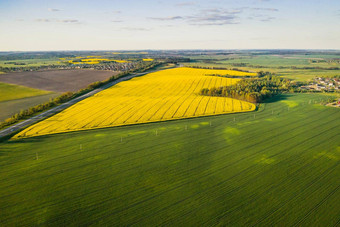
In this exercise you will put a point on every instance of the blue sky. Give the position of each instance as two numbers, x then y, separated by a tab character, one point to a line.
158	24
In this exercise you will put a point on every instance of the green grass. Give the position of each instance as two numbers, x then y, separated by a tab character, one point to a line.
277	61
11	107
305	75
294	74
277	167
316	56
30	62
12	91
278	64
271	60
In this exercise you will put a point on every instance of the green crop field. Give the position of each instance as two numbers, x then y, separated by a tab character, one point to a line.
276	166
11	107
293	67
277	61
30	62
12	91
14	98
293	74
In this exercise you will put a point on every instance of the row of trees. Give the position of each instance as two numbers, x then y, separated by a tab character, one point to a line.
252	90
23	114
101	66
217	68
230	76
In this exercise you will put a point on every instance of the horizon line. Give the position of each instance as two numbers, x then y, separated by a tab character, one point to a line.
127	50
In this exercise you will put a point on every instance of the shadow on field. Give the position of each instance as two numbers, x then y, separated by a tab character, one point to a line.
8	140
277	98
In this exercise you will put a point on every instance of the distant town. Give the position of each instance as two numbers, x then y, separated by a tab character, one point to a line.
328	84
108	66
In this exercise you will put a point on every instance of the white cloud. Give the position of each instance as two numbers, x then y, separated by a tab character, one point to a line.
55	20
53	9
135	29
166	18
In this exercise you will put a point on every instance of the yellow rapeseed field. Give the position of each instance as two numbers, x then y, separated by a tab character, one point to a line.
120	61
95	59
163	95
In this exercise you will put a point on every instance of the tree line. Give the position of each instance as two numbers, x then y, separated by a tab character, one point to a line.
230	76
118	66
217	68
253	90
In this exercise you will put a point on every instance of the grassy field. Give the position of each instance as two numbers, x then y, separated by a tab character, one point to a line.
11	107
277	166
12	91
30	62
279	64
159	96
294	74
270	60
277	61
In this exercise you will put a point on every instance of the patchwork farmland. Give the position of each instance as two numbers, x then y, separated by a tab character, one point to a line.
276	166
57	80
22	90
11	107
12	91
160	96
177	113
14	98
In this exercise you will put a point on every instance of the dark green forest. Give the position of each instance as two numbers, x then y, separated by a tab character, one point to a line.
253	90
